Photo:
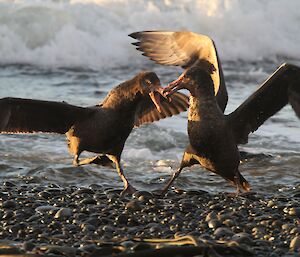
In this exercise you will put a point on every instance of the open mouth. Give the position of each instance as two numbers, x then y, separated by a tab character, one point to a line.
173	87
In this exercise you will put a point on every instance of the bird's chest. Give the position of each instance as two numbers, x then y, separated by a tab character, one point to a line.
102	133
206	136
115	130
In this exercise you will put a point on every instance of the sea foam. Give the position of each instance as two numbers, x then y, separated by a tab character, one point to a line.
93	33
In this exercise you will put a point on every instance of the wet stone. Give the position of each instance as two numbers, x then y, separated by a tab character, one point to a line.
210	216
142	195
8	215
107	229
270	203
223	232
28	246
295	244
214	223
88	201
9	184
63	213
53	191
44	194
133	205
122	218
46	208
229	222
93	221
294	212
8	204
242	238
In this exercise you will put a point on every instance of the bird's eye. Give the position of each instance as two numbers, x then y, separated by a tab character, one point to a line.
146	83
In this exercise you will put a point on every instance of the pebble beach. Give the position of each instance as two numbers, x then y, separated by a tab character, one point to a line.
96	221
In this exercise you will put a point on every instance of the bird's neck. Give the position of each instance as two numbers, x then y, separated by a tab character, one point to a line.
123	99
202	105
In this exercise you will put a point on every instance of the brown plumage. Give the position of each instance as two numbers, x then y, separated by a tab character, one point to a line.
185	49
102	129
214	136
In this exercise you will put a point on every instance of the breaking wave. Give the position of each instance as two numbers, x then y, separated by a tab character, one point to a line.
92	34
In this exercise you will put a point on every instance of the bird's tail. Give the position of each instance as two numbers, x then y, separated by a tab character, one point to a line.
243	183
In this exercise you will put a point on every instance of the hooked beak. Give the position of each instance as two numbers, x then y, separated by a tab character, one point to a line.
155	92
174	86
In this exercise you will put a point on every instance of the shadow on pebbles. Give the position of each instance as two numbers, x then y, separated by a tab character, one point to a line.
95	221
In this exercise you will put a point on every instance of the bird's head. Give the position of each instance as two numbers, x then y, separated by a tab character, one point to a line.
150	84
193	79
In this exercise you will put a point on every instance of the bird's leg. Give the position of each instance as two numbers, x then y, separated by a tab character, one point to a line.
76	160
128	189
238	188
87	161
174	176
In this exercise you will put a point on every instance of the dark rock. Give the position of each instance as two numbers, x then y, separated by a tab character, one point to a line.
88	201
9	204
133	205
295	244
63	213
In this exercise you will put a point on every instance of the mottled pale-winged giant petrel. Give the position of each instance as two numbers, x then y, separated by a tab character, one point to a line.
213	136
188	49
103	128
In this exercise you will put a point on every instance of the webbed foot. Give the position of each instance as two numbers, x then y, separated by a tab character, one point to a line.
129	190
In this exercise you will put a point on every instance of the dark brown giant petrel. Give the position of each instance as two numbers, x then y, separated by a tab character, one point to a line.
185	49
102	129
214	136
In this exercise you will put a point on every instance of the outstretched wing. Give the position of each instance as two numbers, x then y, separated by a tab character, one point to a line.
147	112
184	48
19	115
280	88
294	97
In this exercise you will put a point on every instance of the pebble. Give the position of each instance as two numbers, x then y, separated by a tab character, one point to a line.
46	208
88	201
294	212
223	232
9	204
295	244
142	195
133	205
242	238
214	223
63	213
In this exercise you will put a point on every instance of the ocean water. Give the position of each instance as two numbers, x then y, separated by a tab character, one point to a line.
77	51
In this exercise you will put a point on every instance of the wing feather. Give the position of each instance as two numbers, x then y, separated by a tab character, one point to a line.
147	112
19	115
282	87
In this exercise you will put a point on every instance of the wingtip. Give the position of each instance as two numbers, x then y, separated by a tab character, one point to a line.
135	35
